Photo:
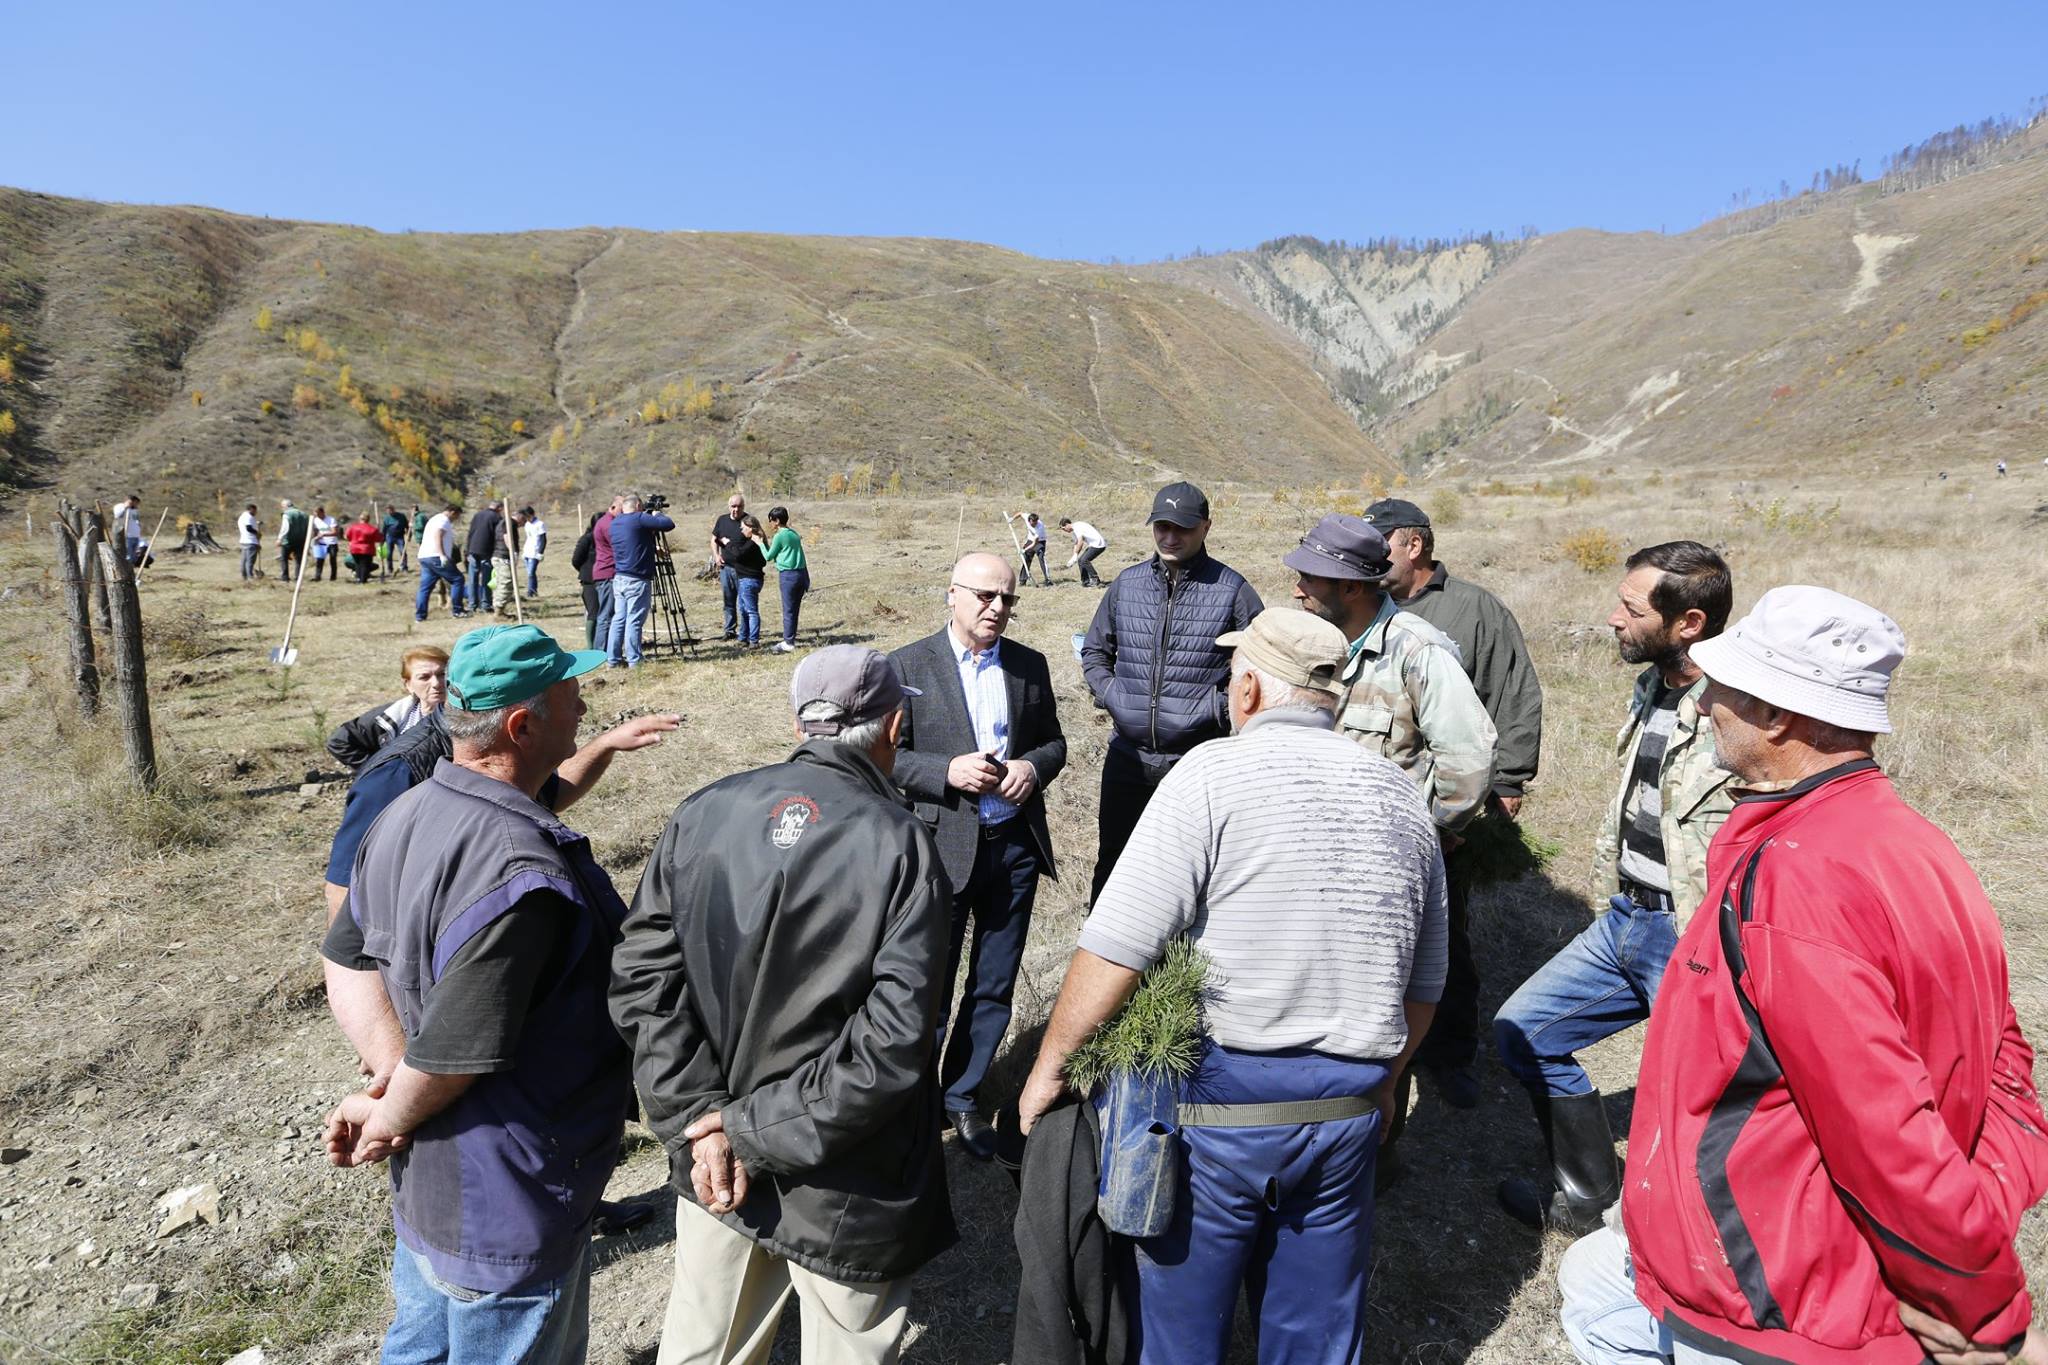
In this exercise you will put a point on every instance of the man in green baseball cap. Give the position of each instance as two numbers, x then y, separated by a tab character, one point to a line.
490	927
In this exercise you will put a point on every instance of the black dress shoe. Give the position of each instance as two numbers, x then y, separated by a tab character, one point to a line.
974	1132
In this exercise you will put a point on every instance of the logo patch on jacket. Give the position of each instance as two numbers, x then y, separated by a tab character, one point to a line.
790	818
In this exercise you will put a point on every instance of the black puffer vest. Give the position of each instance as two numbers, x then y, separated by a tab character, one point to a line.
1167	694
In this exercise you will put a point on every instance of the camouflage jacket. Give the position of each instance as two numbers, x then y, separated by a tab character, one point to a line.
1407	697
1695	792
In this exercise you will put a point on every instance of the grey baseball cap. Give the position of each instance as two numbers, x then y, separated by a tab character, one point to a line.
860	683
1342	547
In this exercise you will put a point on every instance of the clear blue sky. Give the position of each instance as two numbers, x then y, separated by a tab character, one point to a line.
1074	130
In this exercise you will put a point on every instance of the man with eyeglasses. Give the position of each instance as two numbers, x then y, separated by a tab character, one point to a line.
1152	661
728	532
981	742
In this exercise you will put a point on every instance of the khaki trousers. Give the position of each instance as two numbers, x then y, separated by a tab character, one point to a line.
728	1297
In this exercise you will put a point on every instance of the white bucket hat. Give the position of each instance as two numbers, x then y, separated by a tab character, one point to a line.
1813	652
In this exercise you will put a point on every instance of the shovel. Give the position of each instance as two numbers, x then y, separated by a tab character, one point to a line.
284	654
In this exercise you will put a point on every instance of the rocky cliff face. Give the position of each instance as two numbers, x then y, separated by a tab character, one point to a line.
1364	311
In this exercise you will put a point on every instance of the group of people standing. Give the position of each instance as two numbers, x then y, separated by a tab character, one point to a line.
1835	1128
391	538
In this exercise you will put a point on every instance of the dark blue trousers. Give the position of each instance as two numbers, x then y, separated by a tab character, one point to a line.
1284	1210
997	898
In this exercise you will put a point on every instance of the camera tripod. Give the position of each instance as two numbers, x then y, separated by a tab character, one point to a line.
668	626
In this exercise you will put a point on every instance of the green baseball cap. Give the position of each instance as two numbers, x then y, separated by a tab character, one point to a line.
495	666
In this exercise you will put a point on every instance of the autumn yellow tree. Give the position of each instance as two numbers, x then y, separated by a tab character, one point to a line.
263	318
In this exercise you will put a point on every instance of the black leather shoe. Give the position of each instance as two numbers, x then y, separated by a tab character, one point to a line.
976	1137
1458	1086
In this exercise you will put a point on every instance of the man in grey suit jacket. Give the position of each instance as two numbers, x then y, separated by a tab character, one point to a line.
978	749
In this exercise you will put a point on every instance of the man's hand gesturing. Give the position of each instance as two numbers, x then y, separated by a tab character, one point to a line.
717	1176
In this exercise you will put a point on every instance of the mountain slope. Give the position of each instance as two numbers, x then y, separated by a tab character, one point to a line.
208	359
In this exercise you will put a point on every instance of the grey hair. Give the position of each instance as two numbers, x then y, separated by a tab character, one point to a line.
630	503
481	728
862	737
1278	694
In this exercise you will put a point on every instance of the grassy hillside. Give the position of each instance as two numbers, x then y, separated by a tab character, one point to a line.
1896	329
205	359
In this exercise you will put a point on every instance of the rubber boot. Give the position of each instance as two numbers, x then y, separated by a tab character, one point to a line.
1586	1175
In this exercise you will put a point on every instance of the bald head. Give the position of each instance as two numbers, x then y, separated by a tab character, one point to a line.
982	593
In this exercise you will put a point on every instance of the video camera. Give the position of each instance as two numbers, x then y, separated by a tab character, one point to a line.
654	502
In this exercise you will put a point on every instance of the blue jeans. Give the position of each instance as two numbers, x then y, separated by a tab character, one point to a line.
629	614
249	560
480	581
437	1323
434	571
1601	1315
729	595
794	583
533	578
601	631
750	610
997	898
1597	985
1284	1209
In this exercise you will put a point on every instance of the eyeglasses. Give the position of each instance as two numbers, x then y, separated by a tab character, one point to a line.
989	597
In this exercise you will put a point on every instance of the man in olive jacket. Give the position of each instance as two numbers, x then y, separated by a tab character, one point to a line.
779	983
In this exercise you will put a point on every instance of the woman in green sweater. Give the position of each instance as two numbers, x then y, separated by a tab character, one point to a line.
785	552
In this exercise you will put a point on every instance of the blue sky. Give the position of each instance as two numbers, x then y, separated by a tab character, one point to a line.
1072	130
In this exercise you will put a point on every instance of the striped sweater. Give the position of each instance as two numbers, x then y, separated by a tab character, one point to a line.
1308	870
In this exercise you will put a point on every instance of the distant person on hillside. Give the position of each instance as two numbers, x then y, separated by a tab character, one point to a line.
126	527
1088	543
362	539
1035	536
583	558
395	529
424	671
326	545
749	566
437	547
2001	469
1152	661
249	536
292	529
604	570
481	546
784	550
533	543
726	530
633	535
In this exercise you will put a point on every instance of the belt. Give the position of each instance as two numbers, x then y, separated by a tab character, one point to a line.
1649	897
1284	1111
1001	831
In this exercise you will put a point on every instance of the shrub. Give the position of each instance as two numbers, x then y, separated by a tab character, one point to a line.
1448	509
7	424
268	407
650	412
836	485
6	369
198	398
895	485
557	438
1595	551
305	396
518	426
263	318
309	340
706	454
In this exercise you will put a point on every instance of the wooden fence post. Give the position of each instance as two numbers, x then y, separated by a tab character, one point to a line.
85	672
131	683
89	563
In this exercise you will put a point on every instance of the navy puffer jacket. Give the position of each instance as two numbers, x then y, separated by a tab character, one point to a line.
1151	657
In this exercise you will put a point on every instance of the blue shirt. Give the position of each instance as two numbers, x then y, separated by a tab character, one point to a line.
633	542
988	708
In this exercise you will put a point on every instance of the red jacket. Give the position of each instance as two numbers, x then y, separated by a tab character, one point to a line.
362	537
1836	1108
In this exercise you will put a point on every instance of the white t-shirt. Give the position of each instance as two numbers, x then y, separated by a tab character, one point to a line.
1036	530
127	521
529	542
250	529
1090	537
435	540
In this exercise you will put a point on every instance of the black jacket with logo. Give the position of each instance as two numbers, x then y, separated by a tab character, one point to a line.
782	963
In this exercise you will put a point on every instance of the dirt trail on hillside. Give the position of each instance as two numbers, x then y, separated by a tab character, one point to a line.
576	313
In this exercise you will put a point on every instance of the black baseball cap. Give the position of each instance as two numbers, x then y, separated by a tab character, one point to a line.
1183	504
1391	514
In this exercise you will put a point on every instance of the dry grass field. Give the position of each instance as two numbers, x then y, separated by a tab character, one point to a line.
166	1025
